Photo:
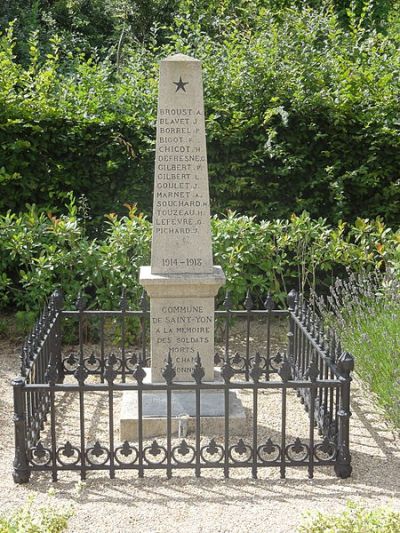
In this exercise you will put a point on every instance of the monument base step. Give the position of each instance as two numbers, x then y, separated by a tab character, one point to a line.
183	414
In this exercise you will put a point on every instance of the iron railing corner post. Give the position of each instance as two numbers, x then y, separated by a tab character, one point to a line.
21	468
343	466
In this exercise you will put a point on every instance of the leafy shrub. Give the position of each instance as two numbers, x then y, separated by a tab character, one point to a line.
354	519
275	256
24	322
101	25
33	519
111	25
302	114
41	252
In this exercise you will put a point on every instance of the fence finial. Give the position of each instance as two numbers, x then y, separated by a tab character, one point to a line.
58	299
256	371
228	300
109	373
198	371
345	364
24	359
51	373
269	303
285	370
81	374
312	371
143	301
248	302
227	372
169	371
80	303
139	373
123	301
292	299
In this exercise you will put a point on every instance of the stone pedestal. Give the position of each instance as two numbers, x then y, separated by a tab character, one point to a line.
182	320
183	410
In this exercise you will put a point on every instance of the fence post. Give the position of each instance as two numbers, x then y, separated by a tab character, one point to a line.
58	302
343	467
291	302
22	471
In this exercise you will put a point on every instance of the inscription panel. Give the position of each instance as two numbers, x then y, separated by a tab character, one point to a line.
182	326
181	210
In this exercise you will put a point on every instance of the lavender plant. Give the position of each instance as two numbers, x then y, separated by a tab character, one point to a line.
365	310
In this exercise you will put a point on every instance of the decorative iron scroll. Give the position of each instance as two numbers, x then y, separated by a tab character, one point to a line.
268	453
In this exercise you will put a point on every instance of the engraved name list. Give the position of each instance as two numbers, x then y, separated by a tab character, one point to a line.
181	210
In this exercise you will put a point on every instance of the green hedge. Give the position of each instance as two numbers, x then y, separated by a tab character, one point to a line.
302	114
41	252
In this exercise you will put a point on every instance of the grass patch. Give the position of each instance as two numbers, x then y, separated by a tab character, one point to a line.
355	519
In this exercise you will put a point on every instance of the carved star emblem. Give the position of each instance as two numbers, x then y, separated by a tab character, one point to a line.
180	84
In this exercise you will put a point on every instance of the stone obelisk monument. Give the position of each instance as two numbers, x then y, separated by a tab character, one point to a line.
181	281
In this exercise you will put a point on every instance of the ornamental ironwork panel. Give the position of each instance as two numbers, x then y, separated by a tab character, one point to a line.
312	364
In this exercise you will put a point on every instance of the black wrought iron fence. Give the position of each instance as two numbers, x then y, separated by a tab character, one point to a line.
313	365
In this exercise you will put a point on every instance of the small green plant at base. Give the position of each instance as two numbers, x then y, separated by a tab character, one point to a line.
32	519
79	488
24	321
355	519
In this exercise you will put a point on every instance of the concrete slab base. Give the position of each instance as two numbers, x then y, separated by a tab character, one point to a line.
183	410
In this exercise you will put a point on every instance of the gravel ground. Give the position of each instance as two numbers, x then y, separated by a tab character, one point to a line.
209	504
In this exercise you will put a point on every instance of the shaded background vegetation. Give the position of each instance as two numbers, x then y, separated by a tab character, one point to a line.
302	103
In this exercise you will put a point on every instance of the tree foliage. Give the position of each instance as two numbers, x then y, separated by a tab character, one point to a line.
302	108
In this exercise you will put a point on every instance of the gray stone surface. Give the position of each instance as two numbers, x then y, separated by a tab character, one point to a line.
182	321
181	285
183	403
183	407
182	327
181	208
154	406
